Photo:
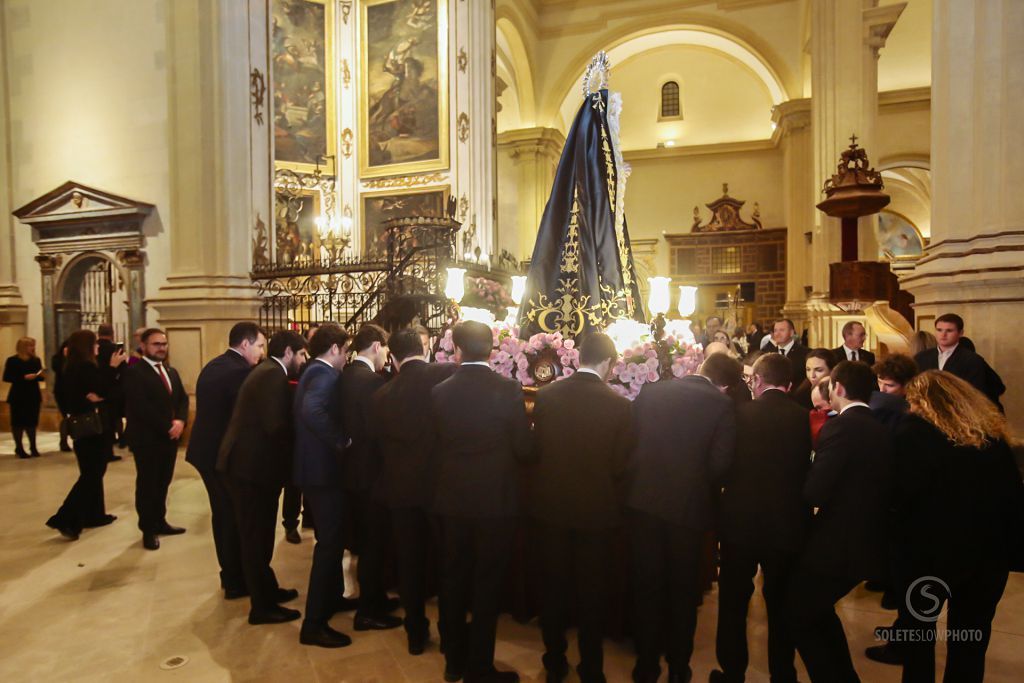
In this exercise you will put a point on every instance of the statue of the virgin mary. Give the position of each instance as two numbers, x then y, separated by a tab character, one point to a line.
581	275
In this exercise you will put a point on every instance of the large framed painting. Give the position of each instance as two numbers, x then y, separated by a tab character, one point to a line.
302	44
382	206
403	100
295	226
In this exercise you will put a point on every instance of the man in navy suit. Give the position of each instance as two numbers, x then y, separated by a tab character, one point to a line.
156	406
685	440
319	443
481	431
954	357
854	335
216	390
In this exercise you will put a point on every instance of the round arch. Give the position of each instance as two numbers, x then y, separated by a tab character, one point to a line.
637	42
519	63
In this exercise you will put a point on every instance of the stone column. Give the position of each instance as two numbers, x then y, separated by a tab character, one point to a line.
535	152
793	127
846	36
13	311
208	288
974	265
474	112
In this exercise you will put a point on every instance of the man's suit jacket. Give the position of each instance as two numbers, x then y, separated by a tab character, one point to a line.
864	356
685	441
149	408
319	440
481	431
797	357
583	434
849	482
402	431
968	366
257	445
762	506
216	391
355	390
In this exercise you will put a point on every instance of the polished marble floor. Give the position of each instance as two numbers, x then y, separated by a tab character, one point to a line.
103	608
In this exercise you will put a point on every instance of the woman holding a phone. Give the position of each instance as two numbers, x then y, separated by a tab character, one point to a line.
24	371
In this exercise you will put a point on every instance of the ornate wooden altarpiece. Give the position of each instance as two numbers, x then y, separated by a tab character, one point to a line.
726	250
77	230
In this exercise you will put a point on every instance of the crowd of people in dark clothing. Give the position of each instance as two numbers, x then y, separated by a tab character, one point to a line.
819	469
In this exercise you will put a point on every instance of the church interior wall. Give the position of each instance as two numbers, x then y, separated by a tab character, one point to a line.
87	101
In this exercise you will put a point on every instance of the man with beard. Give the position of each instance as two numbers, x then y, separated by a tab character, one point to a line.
254	459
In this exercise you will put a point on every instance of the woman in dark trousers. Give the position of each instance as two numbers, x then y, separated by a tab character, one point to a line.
24	371
84	386
57	366
960	512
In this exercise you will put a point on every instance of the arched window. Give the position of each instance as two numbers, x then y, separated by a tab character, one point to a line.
670	100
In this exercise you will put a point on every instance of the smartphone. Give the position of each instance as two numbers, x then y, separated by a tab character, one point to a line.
119	346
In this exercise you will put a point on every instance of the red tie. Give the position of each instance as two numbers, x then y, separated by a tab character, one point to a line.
163	376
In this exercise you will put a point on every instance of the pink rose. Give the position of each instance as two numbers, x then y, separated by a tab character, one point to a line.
568	372
569	343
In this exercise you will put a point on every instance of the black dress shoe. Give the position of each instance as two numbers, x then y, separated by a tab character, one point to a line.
168	530
382	622
390	605
676	677
344	604
275	615
494	676
885	654
69	533
34	453
452	675
324	636
150	542
556	676
293	536
235	593
64	447
102	521
418	643
285	595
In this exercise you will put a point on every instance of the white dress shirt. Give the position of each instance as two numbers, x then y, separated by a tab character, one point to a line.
944	356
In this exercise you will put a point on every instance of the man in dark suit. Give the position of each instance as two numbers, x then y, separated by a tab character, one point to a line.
481	431
784	342
115	404
403	433
952	356
848	483
686	436
157	408
253	459
583	434
854	336
319	443
367	518
763	519
216	391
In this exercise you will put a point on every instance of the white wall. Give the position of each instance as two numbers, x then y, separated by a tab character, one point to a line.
88	102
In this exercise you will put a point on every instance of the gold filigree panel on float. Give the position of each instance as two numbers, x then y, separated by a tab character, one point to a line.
403	98
379	207
302	49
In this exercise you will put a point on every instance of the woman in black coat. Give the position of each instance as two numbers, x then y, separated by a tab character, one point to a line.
24	371
960	514
84	386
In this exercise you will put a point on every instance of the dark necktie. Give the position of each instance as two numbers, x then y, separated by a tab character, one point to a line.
782	351
163	376
853	355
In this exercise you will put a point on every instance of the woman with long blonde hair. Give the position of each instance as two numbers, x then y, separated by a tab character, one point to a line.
24	371
960	516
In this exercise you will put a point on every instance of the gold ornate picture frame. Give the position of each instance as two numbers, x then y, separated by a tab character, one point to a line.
303	88
403	93
378	207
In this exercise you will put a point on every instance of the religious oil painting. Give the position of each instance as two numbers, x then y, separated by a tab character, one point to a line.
898	238
295	226
302	47
383	206
403	102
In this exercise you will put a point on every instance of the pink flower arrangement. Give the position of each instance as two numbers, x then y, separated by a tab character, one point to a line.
640	365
